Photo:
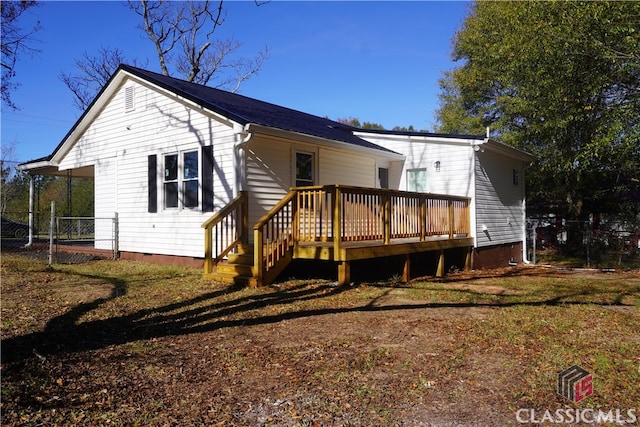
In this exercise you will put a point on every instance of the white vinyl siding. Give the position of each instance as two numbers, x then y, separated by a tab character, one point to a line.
269	174
422	153
118	143
347	168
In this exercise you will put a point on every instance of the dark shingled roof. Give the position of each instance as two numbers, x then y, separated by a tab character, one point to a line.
245	110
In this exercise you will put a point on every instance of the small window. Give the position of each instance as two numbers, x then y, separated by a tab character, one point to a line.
129	98
417	180
304	169
516	177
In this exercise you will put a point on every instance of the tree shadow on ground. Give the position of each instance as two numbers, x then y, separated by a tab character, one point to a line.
222	308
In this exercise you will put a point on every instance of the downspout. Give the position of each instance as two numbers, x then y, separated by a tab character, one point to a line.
242	136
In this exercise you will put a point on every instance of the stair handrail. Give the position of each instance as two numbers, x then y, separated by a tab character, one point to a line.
260	264
235	214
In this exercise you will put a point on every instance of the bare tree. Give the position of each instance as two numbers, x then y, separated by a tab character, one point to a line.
14	42
95	71
183	36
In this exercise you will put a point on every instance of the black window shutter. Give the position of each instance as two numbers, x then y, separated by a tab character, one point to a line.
152	183
207	178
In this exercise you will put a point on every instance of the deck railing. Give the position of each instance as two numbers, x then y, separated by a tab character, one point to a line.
360	214
342	214
225	230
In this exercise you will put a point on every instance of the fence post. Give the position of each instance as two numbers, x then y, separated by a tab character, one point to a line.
51	225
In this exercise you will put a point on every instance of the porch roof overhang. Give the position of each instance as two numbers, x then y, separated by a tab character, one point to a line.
46	167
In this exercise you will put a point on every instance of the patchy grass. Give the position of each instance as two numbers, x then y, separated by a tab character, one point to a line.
123	343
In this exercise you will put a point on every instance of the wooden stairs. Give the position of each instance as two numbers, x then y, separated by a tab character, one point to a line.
237	268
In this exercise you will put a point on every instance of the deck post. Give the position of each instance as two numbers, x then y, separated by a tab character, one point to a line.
467	260
386	204
337	222
423	218
406	269
258	248
208	251
452	226
244	212
344	273
440	270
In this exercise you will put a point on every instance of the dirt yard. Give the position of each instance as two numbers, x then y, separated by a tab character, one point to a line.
124	344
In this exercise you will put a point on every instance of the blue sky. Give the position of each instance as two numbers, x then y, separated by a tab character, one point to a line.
376	61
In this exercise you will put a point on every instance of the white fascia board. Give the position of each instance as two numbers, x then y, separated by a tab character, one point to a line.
507	150
315	140
193	105
419	138
32	166
87	118
105	97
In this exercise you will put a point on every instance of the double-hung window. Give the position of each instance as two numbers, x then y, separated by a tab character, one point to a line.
180	180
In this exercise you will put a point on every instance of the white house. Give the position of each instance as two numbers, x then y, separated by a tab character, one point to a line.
166	155
491	174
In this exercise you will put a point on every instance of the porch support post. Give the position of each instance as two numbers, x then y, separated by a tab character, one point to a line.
31	207
406	270
344	273
440	270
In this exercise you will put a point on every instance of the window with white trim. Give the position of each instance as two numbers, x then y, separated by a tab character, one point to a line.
417	180
180	180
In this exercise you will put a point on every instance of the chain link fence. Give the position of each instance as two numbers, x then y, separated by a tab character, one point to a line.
78	239
61	240
590	243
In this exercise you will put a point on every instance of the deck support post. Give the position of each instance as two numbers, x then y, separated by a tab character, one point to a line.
440	270
406	270
344	273
467	260
386	209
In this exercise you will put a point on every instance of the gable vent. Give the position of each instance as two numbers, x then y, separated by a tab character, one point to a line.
129	100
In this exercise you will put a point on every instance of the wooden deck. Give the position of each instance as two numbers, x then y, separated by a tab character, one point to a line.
352	251
339	224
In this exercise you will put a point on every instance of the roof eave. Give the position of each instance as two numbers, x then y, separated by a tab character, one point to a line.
301	137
